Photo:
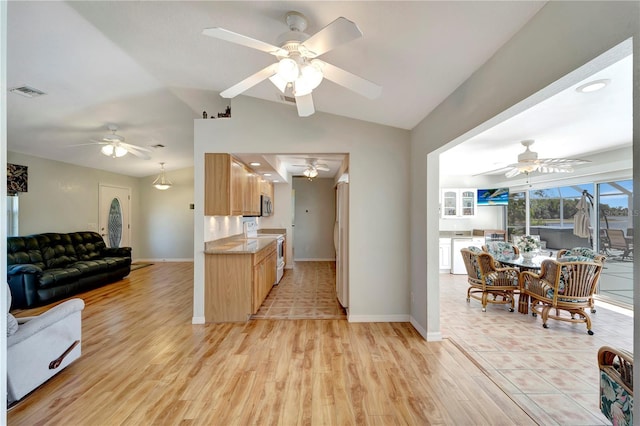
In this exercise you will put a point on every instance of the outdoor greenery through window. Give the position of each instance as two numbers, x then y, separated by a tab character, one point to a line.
551	216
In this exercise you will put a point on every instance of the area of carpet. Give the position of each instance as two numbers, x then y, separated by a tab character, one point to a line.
140	265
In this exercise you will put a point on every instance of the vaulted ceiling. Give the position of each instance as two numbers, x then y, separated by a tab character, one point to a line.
146	67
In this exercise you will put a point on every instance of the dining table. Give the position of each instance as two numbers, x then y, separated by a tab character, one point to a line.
524	264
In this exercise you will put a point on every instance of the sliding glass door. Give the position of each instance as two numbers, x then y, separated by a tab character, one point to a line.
616	241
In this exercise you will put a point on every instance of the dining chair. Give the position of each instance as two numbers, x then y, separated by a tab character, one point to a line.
562	286
487	283
582	253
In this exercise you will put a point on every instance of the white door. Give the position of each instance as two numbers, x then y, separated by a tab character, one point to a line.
115	213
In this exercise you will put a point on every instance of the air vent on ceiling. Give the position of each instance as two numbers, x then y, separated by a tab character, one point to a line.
27	91
157	146
288	99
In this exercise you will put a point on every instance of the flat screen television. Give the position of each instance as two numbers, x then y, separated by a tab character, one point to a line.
493	197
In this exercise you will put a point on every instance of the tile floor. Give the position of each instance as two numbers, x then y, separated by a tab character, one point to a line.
551	373
306	291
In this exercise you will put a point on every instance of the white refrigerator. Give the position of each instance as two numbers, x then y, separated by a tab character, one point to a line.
341	242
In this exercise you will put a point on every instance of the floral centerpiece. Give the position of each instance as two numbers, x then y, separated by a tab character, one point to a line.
528	246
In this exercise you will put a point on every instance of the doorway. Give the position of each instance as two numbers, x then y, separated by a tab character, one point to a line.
114	218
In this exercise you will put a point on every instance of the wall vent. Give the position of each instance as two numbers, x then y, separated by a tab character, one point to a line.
287	99
27	91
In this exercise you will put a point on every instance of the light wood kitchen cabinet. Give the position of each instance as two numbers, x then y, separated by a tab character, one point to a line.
224	184
264	275
252	194
266	188
237	284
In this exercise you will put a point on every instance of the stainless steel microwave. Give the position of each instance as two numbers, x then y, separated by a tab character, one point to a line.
266	206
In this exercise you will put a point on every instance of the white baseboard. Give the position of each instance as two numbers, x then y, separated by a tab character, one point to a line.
313	259
163	260
197	320
378	318
429	337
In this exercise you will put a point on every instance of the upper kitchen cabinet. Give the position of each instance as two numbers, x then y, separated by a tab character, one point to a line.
252	194
225	182
266	188
458	203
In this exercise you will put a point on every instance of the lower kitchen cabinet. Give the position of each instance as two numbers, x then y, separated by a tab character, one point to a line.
445	254
237	284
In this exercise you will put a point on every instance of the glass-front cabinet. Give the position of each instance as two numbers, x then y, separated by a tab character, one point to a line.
458	202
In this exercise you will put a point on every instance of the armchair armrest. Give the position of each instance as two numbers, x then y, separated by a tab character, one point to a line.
53	315
617	364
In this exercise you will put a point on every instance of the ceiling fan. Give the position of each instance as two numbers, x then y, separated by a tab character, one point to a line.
114	145
312	167
528	162
298	71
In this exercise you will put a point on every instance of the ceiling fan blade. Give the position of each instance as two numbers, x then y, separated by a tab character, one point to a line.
351	81
305	105
230	36
513	172
333	35
250	81
136	147
87	143
322	167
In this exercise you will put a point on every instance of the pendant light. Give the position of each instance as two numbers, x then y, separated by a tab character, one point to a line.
161	182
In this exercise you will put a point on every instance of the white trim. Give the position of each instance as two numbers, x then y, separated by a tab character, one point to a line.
379	318
313	259
197	320
420	329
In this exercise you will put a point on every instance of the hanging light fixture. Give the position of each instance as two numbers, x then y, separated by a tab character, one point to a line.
161	182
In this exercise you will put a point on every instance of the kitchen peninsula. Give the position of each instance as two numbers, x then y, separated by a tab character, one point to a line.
239	273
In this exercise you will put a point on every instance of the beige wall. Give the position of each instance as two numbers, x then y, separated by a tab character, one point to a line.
379	193
64	198
315	207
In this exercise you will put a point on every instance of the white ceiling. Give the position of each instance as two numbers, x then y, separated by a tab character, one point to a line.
569	124
146	67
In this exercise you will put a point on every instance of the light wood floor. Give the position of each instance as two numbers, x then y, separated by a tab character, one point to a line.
143	362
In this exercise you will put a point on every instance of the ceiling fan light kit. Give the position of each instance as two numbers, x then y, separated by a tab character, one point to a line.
161	182
113	150
297	69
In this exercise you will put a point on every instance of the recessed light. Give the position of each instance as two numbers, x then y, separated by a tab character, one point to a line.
593	86
267	174
255	164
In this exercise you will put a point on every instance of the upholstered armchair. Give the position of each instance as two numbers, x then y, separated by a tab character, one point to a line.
582	253
501	249
616	385
487	283
562	286
40	347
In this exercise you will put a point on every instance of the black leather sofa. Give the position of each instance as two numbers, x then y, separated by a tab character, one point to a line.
42	268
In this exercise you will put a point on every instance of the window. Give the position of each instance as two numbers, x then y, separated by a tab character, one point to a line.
516	214
12	215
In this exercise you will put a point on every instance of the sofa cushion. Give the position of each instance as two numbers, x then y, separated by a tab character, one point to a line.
24	250
57	249
88	245
58	276
91	266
